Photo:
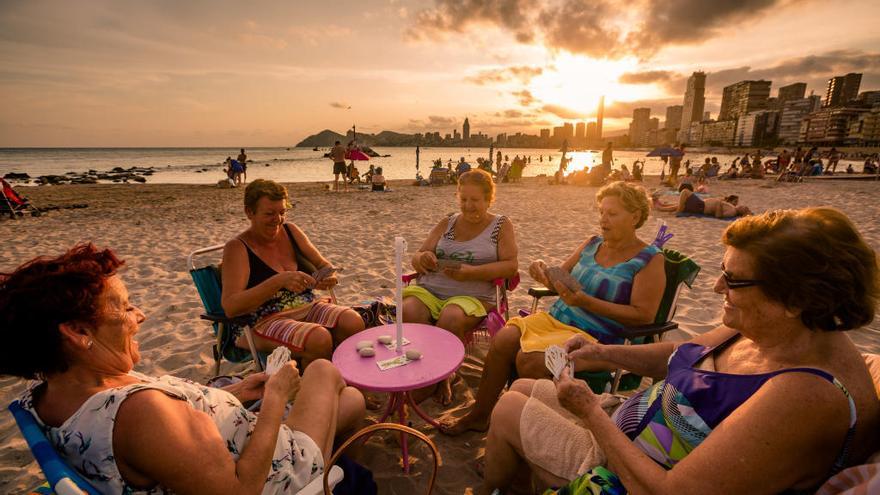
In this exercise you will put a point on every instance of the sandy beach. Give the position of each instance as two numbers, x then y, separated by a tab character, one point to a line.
154	227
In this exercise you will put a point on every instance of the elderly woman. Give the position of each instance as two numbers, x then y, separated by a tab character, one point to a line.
621	279
261	279
777	398
458	261
68	322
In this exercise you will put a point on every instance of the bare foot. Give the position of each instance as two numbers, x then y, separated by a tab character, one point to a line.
470	422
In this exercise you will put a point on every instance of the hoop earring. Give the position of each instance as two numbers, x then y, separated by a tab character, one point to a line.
89	344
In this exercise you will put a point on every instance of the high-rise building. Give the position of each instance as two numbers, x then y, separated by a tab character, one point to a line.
545	133
694	99
592	132
568	130
793	111
794	91
756	128
865	130
580	131
640	127
842	89
466	129
869	98
719	133
829	125
600	114
455	135
743	97
673	117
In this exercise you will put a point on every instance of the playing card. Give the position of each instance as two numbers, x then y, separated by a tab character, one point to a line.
556	359
279	357
558	274
393	344
444	264
394	362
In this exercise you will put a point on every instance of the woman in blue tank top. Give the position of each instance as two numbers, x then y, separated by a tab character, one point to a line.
621	279
775	400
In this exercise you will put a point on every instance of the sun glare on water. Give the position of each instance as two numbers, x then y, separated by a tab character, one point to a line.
577	82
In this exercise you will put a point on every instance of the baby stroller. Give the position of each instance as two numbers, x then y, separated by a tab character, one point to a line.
13	204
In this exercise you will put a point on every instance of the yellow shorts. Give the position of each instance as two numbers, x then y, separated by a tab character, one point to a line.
540	331
469	304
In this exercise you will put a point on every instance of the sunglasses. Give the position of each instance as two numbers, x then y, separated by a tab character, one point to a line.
733	283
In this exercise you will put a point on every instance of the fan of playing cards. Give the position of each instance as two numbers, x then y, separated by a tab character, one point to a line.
324	272
556	359
279	357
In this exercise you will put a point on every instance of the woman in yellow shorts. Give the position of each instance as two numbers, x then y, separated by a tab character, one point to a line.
621	281
458	261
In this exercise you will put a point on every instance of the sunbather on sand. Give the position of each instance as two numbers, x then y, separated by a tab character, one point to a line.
261	279
457	263
688	202
774	400
68	322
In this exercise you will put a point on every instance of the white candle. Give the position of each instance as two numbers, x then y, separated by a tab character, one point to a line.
399	252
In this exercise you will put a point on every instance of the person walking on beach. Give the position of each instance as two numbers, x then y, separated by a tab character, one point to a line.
337	154
607	158
833	158
242	159
675	164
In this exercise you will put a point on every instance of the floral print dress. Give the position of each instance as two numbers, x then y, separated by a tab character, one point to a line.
85	440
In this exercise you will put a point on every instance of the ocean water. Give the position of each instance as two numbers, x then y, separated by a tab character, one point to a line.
205	165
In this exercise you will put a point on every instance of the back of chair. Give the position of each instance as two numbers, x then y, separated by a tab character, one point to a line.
679	269
63	479
207	280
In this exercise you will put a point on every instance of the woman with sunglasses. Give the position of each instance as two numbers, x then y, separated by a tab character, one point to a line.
777	398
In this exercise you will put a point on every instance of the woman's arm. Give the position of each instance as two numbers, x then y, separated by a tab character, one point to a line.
425	260
786	435
235	299
166	441
505	267
647	291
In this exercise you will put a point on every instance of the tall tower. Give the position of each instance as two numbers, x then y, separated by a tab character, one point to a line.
842	89
599	116
694	99
466	129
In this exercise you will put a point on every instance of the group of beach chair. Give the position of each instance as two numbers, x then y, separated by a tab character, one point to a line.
680	271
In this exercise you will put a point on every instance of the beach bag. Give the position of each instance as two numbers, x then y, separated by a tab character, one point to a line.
358	480
377	313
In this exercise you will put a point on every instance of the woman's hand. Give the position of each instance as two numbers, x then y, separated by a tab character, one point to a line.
580	347
538	272
460	273
574	299
327	283
424	262
252	387
285	382
295	281
575	395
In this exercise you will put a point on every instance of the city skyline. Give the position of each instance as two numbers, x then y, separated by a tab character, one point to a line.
205	74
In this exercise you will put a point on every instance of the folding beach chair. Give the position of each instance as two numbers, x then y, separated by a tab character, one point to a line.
439	176
14	204
62	479
497	317
679	270
209	284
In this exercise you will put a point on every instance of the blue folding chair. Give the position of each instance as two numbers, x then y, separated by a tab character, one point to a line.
61	478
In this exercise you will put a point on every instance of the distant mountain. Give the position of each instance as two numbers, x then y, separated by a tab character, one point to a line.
324	139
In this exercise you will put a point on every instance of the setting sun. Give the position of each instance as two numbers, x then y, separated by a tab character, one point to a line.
577	82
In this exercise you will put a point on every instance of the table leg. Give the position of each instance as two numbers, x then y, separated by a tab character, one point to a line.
418	410
393	398
401	415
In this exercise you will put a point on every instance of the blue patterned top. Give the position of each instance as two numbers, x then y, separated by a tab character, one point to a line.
612	284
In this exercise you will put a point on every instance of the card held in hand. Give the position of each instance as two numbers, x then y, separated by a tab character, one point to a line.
325	272
558	274
444	264
556	359
279	357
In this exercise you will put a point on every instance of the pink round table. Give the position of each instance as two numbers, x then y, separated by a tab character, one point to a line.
442	354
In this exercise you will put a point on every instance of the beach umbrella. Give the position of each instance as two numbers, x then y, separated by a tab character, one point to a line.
665	151
417	158
356	155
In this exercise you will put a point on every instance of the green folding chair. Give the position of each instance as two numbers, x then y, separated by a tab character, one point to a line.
680	270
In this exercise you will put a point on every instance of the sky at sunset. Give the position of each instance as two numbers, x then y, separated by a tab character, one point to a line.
269	73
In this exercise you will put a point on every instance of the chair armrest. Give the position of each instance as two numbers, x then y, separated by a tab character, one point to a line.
409	277
647	330
222	318
539	292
